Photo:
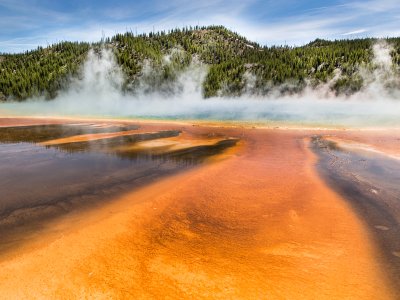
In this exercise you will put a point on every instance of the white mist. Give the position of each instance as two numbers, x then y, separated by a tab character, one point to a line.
99	93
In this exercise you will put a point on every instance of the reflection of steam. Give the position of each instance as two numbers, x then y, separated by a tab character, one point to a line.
99	93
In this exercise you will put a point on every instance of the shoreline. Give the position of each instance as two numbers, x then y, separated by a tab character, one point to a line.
247	124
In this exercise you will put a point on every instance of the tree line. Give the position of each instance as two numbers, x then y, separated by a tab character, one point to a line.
232	61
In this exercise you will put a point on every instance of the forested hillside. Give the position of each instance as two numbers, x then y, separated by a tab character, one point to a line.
235	65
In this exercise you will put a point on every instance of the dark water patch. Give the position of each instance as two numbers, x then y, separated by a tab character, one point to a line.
42	133
371	183
200	153
40	183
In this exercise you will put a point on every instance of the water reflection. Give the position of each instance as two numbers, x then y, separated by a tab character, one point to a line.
39	182
41	133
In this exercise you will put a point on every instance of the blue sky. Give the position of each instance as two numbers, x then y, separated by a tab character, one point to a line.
25	24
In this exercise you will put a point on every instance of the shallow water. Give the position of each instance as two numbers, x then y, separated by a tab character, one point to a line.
370	182
40	133
40	182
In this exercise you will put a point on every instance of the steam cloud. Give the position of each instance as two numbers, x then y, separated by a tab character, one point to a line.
99	93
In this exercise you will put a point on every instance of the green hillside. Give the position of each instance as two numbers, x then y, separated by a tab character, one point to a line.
235	65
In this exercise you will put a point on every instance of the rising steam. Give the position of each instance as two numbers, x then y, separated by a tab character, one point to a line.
383	80
99	93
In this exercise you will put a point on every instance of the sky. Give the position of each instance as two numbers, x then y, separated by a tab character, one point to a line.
26	24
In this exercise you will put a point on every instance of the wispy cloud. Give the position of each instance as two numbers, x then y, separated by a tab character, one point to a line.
354	32
26	24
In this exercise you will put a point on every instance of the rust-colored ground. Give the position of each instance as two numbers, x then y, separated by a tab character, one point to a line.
257	223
